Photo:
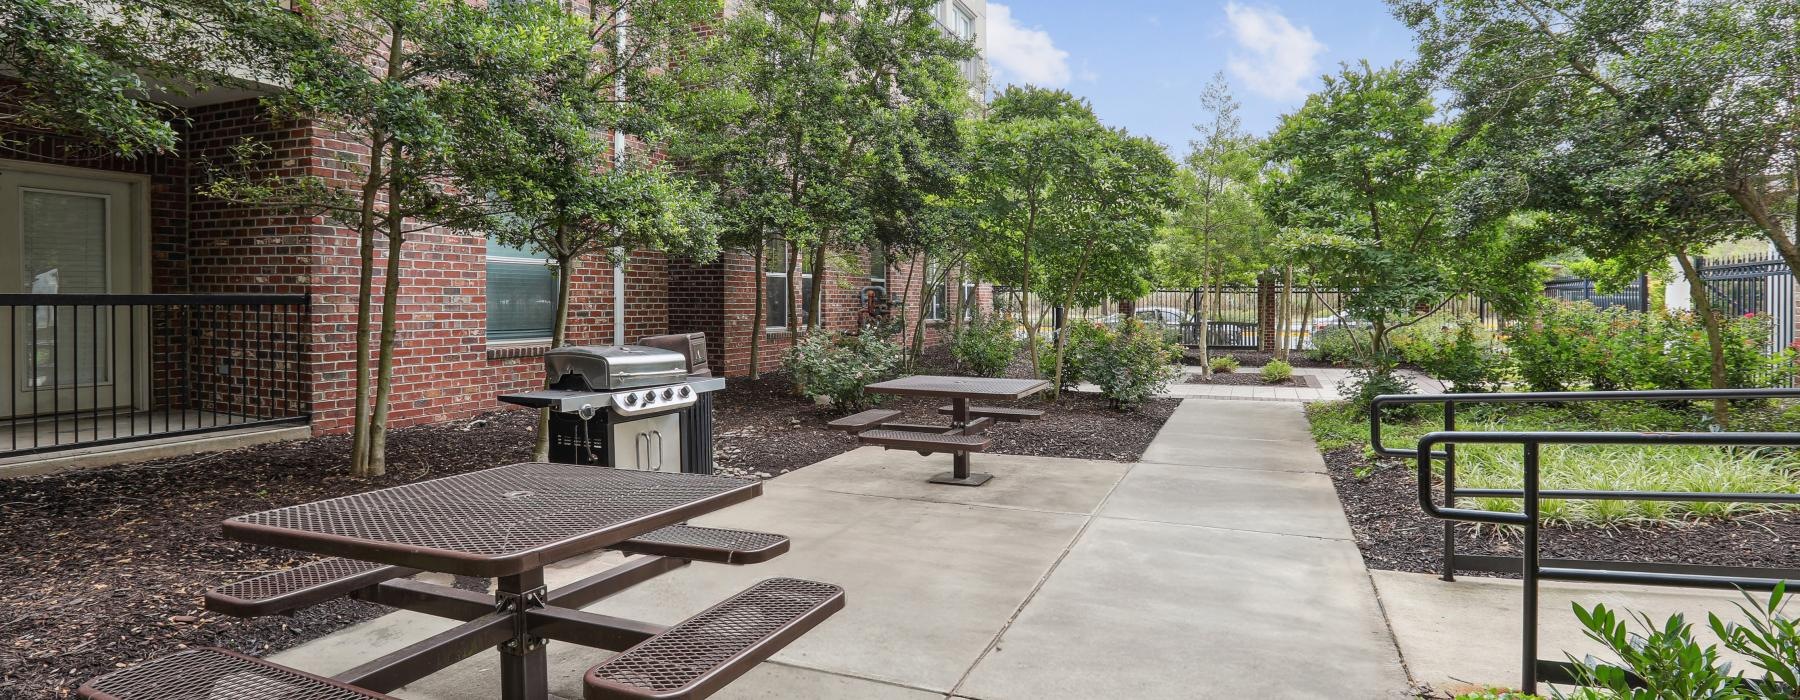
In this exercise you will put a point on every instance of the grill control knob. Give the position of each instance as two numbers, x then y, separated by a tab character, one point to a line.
668	394
685	392
649	397
631	399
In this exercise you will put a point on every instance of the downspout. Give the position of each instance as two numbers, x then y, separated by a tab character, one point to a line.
619	162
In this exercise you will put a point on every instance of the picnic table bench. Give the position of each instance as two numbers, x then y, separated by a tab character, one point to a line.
506	523
968	424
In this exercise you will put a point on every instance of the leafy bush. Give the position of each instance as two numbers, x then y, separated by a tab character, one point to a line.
1135	364
1381	377
827	363
1459	351
1337	344
1669	662
1570	345
1085	341
1277	372
1223	364
985	344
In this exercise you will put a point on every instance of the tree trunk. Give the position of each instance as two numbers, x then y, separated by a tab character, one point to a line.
559	336
365	300
815	316
758	317
1306	312
1715	340
1204	325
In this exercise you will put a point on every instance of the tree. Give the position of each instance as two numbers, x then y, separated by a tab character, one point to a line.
90	68
1708	87
1362	192
1068	208
835	99
555	158
1217	235
392	77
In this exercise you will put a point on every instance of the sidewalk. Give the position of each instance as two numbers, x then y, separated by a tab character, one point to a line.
1218	567
1330	380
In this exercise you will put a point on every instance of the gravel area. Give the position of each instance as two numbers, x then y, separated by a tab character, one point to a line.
1252	379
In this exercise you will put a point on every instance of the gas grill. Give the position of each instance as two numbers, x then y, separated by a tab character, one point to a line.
646	406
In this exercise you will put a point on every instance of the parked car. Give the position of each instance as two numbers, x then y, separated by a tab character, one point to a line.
1324	322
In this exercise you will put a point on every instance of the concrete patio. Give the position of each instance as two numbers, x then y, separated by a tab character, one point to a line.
1059	579
1219	566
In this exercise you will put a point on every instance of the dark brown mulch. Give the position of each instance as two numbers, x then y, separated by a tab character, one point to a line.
1395	534
104	567
1250	358
1251	379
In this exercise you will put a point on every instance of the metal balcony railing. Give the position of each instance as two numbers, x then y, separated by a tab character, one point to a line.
95	369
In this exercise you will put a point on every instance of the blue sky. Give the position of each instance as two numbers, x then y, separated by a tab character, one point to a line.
1143	62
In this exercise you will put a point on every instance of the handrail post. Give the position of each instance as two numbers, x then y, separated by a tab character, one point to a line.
1529	564
1449	493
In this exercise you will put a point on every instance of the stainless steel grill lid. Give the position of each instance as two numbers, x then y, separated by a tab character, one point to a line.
607	367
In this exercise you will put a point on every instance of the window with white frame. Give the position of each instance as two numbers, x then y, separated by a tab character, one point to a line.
969	299
521	293
934	306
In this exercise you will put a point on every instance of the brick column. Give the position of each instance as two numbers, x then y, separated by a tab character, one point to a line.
1265	312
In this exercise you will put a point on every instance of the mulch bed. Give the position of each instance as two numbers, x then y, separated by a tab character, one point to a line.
1252	379
1250	358
106	567
1395	534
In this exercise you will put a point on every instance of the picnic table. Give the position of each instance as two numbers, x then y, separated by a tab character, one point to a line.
969	424
507	523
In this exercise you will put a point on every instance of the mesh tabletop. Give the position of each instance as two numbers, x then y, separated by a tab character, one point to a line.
496	522
960	387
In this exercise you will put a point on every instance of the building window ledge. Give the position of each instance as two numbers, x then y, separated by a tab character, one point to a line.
504	350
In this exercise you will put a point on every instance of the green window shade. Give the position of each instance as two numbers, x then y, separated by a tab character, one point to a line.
521	300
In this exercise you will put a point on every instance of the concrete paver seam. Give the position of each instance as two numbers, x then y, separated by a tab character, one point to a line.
1039	586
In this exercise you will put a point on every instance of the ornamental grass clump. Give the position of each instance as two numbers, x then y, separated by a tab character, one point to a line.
1276	372
1223	364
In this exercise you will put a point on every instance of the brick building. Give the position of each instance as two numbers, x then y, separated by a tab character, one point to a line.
146	309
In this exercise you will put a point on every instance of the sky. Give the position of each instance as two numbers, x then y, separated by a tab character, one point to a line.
1143	63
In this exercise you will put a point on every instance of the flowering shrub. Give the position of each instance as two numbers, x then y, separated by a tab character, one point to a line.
1133	364
1459	351
1569	345
1084	341
985	345
827	363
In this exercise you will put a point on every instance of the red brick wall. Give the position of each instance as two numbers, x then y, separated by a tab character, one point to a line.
719	299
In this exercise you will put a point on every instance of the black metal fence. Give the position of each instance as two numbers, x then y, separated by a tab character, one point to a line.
1634	296
1752	284
94	369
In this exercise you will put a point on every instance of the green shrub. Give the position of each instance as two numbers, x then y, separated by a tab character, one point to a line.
1223	364
1667	659
1770	639
1460	352
1338	344
1382	377
1277	372
1085	341
985	345
1573	345
1135	365
827	363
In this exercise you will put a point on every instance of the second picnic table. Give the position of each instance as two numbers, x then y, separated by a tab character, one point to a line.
966	433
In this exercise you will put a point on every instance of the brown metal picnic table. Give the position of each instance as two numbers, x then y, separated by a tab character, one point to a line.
507	523
966	424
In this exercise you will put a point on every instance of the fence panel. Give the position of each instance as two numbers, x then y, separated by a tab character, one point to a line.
1634	296
1752	284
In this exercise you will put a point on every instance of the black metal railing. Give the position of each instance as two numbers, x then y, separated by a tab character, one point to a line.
1531	566
95	369
1635	296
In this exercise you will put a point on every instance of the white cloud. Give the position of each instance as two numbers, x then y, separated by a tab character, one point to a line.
1023	54
1276	57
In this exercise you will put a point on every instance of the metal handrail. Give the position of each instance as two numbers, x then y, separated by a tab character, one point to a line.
1531	564
1531	567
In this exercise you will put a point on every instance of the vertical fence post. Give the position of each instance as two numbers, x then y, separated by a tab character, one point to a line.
1449	573
1528	569
1644	293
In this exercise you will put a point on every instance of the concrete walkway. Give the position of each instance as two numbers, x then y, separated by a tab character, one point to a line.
1219	567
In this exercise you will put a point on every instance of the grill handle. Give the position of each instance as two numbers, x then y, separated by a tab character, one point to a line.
671	373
